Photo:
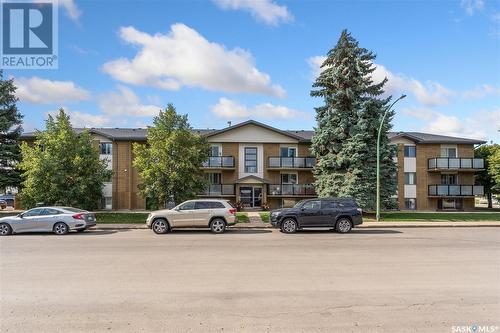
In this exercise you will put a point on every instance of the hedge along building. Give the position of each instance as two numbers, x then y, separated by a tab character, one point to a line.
257	164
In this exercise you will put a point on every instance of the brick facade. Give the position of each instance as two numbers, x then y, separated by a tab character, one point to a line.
124	193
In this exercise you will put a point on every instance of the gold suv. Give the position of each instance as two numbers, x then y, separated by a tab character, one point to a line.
208	213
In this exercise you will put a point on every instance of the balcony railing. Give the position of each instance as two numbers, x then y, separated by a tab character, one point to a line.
455	163
219	190
219	162
291	190
292	162
455	190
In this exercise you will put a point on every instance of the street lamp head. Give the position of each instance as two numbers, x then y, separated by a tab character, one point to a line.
402	96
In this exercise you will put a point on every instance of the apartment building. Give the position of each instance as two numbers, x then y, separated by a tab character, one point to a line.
436	172
257	165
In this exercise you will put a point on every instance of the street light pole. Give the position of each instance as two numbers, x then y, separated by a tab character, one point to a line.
378	154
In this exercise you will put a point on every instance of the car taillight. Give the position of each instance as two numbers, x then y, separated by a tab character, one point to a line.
78	216
232	211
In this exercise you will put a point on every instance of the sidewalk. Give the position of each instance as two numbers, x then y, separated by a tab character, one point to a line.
257	224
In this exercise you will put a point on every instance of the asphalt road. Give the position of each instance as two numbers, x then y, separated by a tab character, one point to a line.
372	280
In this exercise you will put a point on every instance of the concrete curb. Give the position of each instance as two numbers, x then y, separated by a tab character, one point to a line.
366	225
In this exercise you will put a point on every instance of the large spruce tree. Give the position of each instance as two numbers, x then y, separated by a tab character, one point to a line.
347	126
10	130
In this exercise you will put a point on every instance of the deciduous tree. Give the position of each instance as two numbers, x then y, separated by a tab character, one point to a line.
490	176
169	165
62	167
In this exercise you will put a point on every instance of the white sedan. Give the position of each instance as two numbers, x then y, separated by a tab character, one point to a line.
59	220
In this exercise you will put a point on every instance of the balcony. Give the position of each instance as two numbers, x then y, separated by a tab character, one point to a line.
291	162
455	190
291	190
218	190
219	162
455	163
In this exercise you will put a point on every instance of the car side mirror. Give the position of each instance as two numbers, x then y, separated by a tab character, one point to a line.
20	215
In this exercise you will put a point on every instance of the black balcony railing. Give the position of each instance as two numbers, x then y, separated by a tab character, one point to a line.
219	162
291	190
219	189
292	162
455	163
455	190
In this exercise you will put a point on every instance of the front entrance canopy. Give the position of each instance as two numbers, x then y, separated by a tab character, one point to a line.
252	180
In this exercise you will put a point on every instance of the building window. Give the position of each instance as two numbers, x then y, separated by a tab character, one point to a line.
288	152
411	204
106	148
215	151
410	178
214	178
448	152
448	179
250	160
288	178
410	151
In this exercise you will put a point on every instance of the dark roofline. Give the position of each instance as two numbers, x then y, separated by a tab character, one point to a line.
421	138
435	138
256	123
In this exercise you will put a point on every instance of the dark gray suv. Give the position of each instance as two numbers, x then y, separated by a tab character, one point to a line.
342	214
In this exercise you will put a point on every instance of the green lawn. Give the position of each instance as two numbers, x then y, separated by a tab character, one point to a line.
437	216
265	216
242	217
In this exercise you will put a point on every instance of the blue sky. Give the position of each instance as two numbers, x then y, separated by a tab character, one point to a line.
221	60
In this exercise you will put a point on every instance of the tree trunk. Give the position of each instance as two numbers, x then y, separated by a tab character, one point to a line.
490	200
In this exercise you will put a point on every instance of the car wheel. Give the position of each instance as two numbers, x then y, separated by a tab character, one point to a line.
5	229
160	226
218	226
343	225
61	228
289	226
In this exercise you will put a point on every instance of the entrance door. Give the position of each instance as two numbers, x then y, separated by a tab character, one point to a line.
251	196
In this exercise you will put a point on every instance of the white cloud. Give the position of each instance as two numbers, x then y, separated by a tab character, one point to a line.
125	102
430	93
472	6
41	91
82	119
185	58
70	6
315	65
481	125
266	11
230	109
480	92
